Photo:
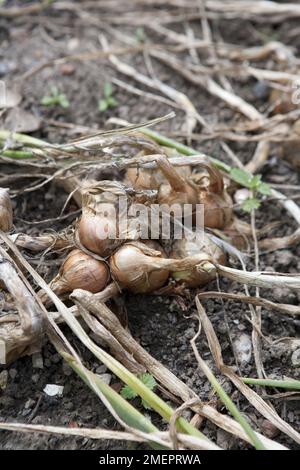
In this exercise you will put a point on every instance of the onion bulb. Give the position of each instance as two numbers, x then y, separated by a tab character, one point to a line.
216	201
80	271
177	190
197	277
98	229
139	268
6	214
150	178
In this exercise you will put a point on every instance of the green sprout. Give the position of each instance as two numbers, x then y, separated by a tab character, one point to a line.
108	100
140	34
55	99
128	393
254	183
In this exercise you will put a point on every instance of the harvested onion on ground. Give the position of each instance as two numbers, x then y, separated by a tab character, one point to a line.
6	213
197	277
80	271
98	230
139	268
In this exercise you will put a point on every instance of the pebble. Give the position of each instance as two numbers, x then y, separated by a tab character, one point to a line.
285	257
224	439
3	69
67	370
55	358
3	379
296	358
261	90
69	405
37	361
67	69
13	373
29	404
35	378
106	378
101	369
243	348
268	429
53	390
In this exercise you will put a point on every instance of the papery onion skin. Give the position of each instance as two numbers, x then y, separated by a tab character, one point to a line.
6	213
81	271
196	278
217	209
92	230
128	268
144	178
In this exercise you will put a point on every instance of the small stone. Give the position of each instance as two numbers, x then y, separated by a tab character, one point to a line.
101	369
53	390
67	370
243	348
221	328
55	358
3	69
106	378
268	429
35	378
29	404
13	373
241	195
3	379
69	405
37	361
285	257
261	90
236	321
73	44
296	358
224	439
67	69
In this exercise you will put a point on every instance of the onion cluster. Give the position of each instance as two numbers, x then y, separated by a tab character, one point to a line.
136	264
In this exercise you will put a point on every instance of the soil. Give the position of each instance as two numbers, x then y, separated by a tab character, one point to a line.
27	41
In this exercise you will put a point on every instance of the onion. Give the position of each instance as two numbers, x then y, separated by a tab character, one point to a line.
141	269
6	214
98	229
197	277
80	271
217	203
150	178
178	190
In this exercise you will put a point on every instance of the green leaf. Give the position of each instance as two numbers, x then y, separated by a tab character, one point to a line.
140	34
148	380
128	393
54	91
63	101
241	176
255	181
107	89
250	204
146	406
47	100
265	189
111	102
103	105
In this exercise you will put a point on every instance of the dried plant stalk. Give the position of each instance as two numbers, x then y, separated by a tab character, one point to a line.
15	339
